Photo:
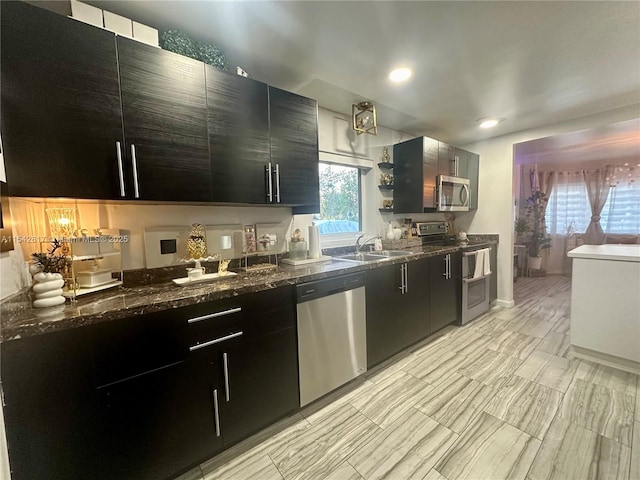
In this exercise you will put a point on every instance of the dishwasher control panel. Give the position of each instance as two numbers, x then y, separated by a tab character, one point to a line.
322	288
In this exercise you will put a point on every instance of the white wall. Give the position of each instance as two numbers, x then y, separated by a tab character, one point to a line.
495	186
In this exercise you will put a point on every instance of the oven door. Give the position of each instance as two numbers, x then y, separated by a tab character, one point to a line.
475	297
453	194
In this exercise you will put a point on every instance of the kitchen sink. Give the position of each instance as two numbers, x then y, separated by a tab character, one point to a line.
362	257
379	256
393	253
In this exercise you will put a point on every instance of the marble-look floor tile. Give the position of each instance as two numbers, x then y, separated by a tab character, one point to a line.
526	405
609	377
491	368
563	326
378	374
548	370
570	452
492	327
322	448
249	455
436	366
193	474
599	409
474	347
344	472
555	344
532	327
391	398
635	452
489	449
408	448
249	466
434	475
455	401
318	410
514	344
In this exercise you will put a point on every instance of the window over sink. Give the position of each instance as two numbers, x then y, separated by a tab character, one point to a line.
340	200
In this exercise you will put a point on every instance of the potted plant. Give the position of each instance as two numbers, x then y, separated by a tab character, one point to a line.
538	240
521	227
47	272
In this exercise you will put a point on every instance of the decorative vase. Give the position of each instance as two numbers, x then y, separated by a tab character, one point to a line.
48	289
196	244
389	234
535	263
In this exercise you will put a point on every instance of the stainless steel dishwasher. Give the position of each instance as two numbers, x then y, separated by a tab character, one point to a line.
332	336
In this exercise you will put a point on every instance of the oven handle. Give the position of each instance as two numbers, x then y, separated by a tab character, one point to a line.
471	280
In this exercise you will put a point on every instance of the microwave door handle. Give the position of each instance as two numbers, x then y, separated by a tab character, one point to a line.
464	198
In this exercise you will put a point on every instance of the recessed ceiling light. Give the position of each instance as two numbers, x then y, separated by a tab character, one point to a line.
489	122
400	74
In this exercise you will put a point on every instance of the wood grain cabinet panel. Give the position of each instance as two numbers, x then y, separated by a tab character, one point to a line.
165	119
238	128
61	115
293	124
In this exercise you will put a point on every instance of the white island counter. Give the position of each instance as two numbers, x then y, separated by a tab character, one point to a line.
605	305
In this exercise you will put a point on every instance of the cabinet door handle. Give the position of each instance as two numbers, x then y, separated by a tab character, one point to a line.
193	348
267	172
214	315
401	287
446	267
277	183
216	415
225	363
120	170
455	163
406	277
134	160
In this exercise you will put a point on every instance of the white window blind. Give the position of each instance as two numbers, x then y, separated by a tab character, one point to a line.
621	213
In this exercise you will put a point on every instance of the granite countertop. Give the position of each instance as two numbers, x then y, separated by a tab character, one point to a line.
621	253
19	319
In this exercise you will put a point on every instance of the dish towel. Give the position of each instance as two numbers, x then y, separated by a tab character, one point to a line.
487	262
483	266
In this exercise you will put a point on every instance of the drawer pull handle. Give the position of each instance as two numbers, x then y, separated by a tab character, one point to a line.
214	341
214	315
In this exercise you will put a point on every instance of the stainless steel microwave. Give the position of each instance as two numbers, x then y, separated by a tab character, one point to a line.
452	194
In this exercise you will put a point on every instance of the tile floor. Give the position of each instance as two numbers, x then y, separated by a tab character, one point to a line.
499	398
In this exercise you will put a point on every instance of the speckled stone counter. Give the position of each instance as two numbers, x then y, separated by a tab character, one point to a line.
19	319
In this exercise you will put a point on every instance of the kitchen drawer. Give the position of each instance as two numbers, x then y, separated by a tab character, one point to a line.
135	345
252	314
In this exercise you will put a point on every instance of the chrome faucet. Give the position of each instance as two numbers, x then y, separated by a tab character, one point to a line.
367	239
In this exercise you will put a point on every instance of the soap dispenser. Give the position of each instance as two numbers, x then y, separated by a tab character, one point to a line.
389	235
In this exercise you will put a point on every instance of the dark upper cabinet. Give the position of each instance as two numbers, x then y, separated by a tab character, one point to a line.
452	161
473	166
293	123
445	289
415	167
164	109
61	115
238	127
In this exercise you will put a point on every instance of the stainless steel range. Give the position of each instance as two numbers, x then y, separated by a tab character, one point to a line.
476	275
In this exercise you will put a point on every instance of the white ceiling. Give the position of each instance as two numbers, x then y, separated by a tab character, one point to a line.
531	63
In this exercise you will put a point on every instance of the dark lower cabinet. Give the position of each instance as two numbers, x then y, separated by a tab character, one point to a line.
415	302
397	308
445	289
262	383
49	409
157	424
384	313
